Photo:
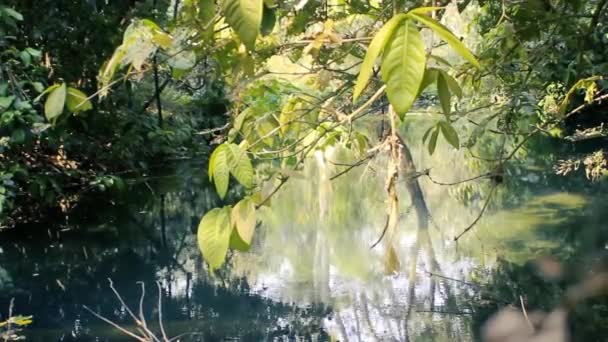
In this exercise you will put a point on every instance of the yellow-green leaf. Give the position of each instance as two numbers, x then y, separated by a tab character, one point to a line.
53	107
445	34
245	18
425	10
373	51
240	165
77	101
243	218
219	169
213	236
403	66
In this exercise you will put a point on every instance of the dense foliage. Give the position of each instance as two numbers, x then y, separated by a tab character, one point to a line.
58	140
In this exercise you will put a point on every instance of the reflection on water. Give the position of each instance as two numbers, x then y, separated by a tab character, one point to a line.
311	274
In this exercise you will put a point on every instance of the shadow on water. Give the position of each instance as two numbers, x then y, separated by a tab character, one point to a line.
311	274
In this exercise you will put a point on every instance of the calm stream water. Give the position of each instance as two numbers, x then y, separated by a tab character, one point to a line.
311	275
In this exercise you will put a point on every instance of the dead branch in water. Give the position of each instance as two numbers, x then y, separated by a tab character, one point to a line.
144	334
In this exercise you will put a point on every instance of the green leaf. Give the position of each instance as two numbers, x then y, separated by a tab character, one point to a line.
440	60
219	169
46	91
425	10
240	165
237	243
77	101
426	134
245	18
213	236
12	13
444	94
37	86
373	51
243	219
430	77
6	101
433	141
449	133
452	84
403	66
446	35
25	57
53	107
33	52
268	21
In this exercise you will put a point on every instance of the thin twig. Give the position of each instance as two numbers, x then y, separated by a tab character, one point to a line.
483	209
459	182
127	332
160	311
122	302
523	309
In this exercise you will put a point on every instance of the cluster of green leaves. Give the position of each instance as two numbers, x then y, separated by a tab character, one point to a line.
226	227
404	59
230	159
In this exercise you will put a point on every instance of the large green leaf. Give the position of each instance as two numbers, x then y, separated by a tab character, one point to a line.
213	236
77	101
444	94
243	219
373	51
53	107
445	34
240	165
403	66
219	169
245	18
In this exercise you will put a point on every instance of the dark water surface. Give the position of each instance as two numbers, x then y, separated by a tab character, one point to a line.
311	275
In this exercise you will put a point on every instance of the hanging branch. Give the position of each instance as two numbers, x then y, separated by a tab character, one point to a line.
483	209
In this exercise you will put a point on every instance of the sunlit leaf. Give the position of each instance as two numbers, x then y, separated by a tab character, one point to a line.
236	243
53	107
245	18
403	66
243	218
46	91
213	236
240	165
219	169
433	141
444	94
425	10
449	133
77	101
445	34
373	51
